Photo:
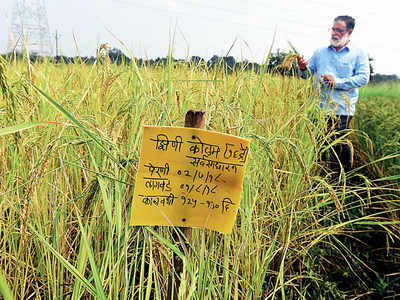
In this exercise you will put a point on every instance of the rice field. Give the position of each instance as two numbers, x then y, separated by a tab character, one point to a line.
70	137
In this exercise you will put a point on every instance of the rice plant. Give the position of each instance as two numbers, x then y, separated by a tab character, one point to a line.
69	149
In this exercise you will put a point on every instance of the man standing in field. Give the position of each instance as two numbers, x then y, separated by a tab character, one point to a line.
341	69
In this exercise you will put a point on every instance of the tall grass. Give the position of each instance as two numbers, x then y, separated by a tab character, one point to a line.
69	151
378	115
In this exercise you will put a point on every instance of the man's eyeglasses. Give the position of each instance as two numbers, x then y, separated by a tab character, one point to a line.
338	30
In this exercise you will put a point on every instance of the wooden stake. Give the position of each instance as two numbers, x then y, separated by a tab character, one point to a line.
193	119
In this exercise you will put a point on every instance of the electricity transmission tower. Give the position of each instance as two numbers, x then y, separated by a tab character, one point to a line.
30	28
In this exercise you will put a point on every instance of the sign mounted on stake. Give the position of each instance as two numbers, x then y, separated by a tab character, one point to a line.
189	177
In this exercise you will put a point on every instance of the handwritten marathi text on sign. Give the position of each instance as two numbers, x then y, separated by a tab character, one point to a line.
189	177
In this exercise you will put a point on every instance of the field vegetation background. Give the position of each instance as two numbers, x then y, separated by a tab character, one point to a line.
70	136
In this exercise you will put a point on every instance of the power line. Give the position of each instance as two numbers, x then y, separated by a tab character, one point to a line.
186	14
288	10
219	20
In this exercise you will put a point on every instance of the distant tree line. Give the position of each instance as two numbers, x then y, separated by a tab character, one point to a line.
226	63
378	78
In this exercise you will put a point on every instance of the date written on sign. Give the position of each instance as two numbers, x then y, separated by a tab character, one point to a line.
189	177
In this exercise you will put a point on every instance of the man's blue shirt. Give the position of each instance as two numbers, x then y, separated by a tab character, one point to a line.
350	68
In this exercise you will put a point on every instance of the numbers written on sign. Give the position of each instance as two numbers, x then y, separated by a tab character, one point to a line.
201	180
190	174
206	177
161	200
202	189
223	205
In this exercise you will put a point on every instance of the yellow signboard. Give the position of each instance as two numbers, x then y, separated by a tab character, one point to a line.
189	177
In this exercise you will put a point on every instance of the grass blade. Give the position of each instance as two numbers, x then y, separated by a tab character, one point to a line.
70	117
100	294
64	262
4	288
21	127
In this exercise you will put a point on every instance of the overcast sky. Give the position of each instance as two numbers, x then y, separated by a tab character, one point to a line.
205	27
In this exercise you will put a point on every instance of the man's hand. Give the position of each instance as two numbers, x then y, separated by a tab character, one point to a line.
328	80
302	63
